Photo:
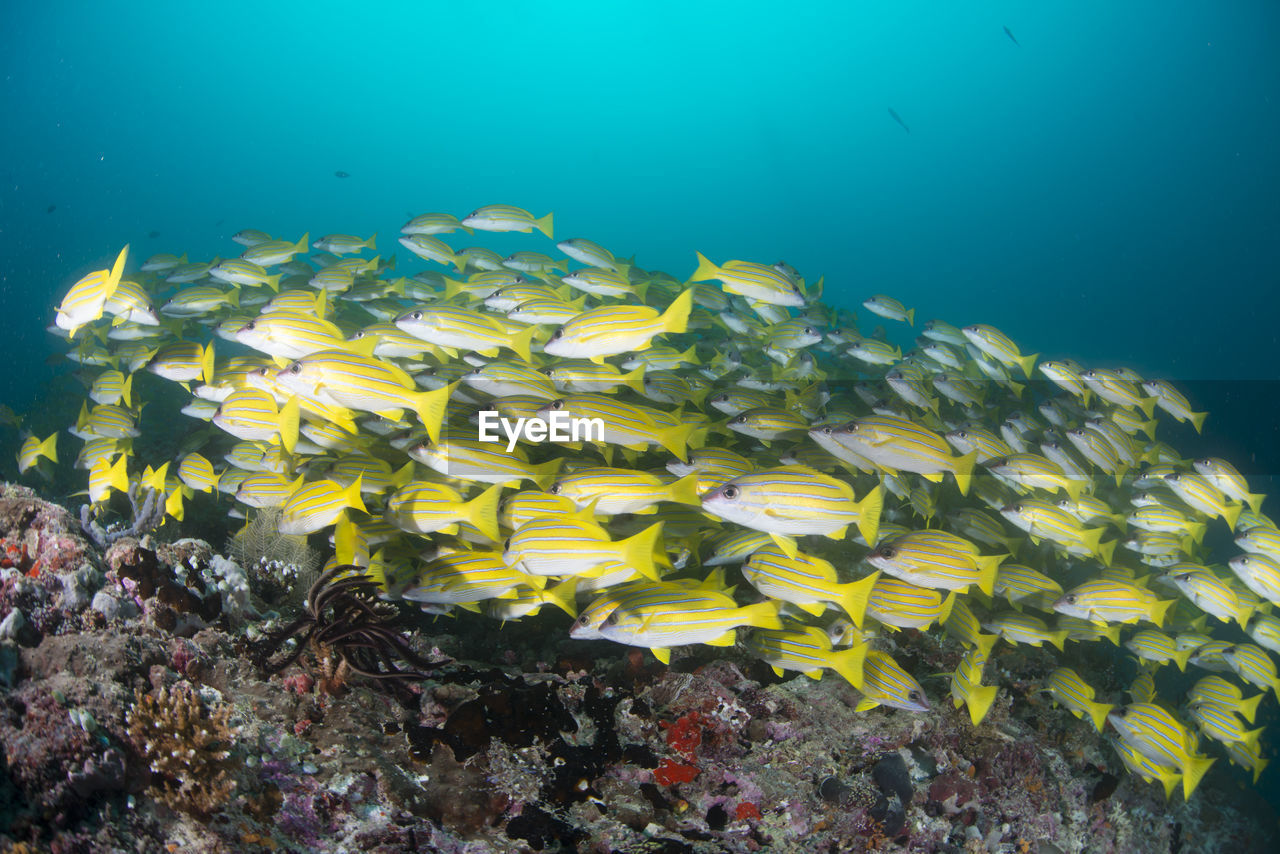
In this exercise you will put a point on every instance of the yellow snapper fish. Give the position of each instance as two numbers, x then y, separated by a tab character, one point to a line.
87	298
790	501
758	282
684	616
33	450
612	330
807	582
506	218
807	649
1068	688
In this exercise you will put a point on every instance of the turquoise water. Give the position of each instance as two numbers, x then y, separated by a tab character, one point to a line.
1106	188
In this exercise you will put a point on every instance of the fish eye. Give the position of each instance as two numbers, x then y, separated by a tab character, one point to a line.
557	404
506	545
887	551
250	325
555	489
730	492
417	315
555	336
738	419
1071	600
913	695
826	431
295	368
961	434
809	330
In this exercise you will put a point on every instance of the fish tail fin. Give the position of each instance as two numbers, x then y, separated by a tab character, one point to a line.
273	282
544	474
676	317
763	615
49	449
1251	738
372	242
430	407
288	423
207	363
685	490
118	474
521	341
911	317
979	701
1028	364
1098	713
962	468
544	224
676	439
988	566
304	244
1073	487
985	643
1197	420
706	270
1059	639
1180	658
562	595
854	596
634	379
869	510
1193	770
848	663
638	551
1254	500
1157	610
1231	512
482	512
351	496
1249	707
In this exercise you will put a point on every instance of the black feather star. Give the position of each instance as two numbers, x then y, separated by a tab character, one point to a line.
344	627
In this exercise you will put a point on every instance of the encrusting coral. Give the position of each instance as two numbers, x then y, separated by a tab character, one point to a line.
187	748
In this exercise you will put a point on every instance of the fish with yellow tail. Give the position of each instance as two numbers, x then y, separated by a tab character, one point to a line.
791	501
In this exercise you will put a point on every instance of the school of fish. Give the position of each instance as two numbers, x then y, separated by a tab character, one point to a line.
746	460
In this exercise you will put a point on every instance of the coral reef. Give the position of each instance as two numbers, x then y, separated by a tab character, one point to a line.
186	746
156	729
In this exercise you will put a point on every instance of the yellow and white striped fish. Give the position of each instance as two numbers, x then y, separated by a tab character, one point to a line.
938	559
810	583
684	616
614	490
1068	688
507	218
85	302
791	501
456	329
424	508
613	329
561	547
758	282
895	444
33	450
315	506
807	649
885	683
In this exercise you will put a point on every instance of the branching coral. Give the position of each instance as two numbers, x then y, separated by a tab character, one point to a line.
147	516
344	628
187	748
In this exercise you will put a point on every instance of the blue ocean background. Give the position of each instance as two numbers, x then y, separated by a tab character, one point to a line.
1107	187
